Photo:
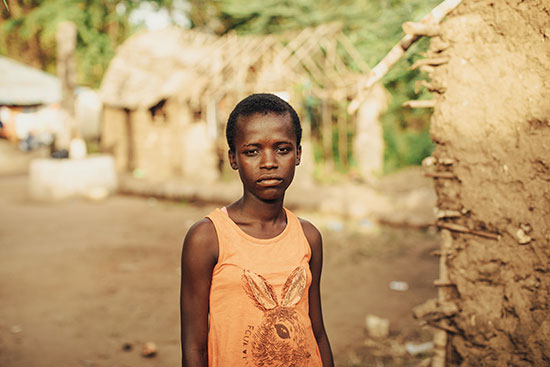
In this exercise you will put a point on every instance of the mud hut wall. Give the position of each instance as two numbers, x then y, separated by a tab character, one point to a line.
491	126
158	139
114	136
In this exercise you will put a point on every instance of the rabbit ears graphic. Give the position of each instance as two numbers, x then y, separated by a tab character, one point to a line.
262	294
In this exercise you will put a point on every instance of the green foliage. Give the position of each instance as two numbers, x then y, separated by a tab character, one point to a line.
28	32
404	147
406	131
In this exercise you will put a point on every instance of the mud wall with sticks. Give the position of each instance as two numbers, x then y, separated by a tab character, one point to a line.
491	168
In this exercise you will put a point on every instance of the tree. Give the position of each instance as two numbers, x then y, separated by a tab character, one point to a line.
28	28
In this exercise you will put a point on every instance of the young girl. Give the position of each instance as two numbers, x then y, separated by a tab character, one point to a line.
251	271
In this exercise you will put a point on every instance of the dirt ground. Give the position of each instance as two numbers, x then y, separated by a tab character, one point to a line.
80	279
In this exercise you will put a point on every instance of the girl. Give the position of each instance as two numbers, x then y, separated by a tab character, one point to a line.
251	271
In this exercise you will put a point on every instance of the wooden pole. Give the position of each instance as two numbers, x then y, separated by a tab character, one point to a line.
130	147
462	229
433	17
343	138
430	61
420	29
66	69
440	336
326	133
430	103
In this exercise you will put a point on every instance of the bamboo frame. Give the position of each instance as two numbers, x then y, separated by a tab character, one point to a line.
376	74
326	134
225	69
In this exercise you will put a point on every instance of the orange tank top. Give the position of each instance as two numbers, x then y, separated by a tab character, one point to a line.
259	305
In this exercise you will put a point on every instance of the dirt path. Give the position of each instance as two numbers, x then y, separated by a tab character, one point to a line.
79	279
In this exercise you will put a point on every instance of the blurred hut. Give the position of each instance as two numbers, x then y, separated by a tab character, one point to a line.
29	106
22	85
167	95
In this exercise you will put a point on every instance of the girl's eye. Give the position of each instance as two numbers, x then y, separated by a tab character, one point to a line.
251	152
283	149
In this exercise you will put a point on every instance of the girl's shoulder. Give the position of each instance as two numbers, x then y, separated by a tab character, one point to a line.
312	234
203	227
202	237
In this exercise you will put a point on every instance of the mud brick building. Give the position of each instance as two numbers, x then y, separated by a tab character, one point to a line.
167	95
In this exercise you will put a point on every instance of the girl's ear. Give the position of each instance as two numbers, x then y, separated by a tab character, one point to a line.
298	155
232	160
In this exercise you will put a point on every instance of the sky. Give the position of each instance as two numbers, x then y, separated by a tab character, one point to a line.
153	18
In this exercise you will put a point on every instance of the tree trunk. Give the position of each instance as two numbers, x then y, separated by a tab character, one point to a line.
66	64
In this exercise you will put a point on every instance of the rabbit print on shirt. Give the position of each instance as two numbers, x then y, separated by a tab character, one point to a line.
280	340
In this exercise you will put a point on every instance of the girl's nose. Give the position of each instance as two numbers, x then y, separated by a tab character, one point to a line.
269	160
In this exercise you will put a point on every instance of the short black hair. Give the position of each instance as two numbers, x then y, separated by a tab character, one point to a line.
260	103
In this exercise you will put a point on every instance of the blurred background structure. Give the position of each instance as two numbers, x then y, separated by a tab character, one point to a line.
367	30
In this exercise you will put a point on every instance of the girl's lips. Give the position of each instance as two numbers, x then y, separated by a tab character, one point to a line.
266	182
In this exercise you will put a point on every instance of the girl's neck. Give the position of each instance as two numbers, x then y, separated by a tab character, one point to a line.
249	208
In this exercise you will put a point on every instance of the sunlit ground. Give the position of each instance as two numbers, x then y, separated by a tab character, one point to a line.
89	283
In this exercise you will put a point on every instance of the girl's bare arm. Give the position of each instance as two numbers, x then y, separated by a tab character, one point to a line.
315	312
198	258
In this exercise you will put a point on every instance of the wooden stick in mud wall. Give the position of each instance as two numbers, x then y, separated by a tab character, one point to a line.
431	61
420	29
447	175
433	17
429	103
459	228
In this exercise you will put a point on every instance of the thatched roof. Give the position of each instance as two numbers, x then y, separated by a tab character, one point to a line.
190	65
22	85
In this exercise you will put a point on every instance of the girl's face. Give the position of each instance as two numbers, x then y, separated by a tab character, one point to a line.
265	154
